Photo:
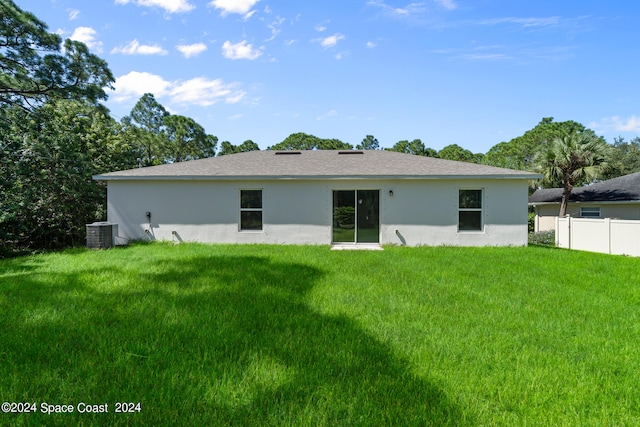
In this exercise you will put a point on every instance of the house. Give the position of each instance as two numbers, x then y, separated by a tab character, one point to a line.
617	198
350	198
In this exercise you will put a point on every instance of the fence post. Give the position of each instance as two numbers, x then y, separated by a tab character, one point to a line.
607	221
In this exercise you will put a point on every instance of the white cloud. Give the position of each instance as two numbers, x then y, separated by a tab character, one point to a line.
447	4
371	44
197	91
170	6
486	57
189	50
320	28
632	124
275	28
236	97
617	124
410	9
332	113
240	50
413	9
135	84
525	22
204	92
73	14
248	15
331	41
241	7
135	48
87	35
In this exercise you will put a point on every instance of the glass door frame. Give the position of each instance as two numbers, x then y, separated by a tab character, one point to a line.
345	217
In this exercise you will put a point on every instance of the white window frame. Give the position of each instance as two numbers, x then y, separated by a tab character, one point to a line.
590	212
241	210
480	209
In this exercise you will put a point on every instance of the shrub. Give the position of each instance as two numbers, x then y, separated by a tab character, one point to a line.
531	223
546	238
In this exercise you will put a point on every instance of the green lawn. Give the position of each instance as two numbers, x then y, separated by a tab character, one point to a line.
298	335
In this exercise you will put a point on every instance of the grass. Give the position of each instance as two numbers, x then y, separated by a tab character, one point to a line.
297	335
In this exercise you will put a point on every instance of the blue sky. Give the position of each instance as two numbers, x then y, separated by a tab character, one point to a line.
466	72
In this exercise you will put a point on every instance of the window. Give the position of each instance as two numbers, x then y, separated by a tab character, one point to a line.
590	212
250	210
470	210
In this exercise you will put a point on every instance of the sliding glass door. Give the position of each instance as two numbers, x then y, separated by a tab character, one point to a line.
356	216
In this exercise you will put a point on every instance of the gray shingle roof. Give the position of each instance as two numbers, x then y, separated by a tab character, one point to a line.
621	189
317	164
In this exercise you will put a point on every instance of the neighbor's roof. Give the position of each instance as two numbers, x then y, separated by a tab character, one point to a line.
316	164
622	189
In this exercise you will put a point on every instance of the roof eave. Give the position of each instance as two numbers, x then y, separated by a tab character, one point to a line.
544	203
581	202
302	177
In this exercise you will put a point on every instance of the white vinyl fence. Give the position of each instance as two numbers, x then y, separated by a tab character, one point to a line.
609	236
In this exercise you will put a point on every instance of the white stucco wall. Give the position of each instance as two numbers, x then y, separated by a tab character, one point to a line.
420	212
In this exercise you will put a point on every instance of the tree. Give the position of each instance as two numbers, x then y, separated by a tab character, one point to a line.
303	141
626	158
248	145
186	140
166	138
402	147
297	141
521	152
48	158
228	148
33	68
147	122
369	143
414	147
455	152
507	155
333	144
572	160
54	135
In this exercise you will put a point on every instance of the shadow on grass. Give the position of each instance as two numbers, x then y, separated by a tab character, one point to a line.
213	340
18	266
543	246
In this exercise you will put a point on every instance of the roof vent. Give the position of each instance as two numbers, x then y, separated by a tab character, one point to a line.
351	152
281	153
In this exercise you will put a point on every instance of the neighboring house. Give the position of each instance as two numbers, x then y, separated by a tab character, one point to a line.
617	198
321	197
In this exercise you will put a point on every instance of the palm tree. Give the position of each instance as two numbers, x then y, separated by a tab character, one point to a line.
574	159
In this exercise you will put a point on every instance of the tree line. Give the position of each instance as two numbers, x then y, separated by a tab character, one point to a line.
55	135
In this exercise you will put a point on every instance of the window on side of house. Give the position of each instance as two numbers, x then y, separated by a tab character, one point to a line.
470	210
590	212
250	210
